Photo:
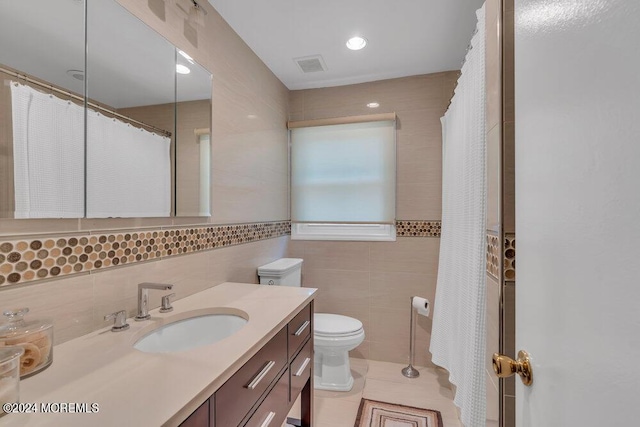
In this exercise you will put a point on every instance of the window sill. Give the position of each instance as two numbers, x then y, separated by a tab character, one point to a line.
344	232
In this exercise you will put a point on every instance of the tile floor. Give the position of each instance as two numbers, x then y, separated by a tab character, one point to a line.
383	381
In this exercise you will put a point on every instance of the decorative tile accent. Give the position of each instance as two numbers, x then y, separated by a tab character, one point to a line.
510	257
418	228
31	259
26	260
493	255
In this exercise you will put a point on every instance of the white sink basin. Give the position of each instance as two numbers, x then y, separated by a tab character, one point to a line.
190	333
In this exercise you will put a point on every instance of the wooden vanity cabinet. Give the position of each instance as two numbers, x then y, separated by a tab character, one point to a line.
299	331
262	391
200	417
274	408
234	400
300	371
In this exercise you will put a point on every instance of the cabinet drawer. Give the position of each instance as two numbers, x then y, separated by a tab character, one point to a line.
199	417
299	329
273	410
236	397
301	370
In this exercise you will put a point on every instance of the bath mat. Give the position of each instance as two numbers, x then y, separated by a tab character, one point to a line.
381	414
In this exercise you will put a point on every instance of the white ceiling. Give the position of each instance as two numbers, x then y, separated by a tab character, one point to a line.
406	37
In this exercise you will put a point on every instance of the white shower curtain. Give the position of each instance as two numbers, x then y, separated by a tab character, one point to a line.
128	170
458	335
48	154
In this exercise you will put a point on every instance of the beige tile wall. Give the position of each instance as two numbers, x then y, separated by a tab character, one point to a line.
501	202
509	206
78	304
494	200
493	346
249	175
7	202
508	125
372	281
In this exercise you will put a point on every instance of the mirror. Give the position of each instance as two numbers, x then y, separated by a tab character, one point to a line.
131	71
193	131
147	126
40	176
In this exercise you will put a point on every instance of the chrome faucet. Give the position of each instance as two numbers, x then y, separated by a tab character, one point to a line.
143	298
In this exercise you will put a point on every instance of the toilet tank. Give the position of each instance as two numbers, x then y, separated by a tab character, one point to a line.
282	272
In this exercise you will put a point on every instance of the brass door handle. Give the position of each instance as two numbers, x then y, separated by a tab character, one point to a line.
504	366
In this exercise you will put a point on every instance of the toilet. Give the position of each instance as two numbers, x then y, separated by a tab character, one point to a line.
334	335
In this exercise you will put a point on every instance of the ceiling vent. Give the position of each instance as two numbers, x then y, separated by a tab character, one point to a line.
310	64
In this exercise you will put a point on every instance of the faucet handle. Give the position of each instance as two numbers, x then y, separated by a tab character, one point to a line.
120	321
166	303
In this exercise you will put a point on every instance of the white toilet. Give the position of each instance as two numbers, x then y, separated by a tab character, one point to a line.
334	335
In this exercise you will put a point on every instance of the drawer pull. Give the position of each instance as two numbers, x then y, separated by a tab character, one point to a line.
302	328
256	380
270	418
304	365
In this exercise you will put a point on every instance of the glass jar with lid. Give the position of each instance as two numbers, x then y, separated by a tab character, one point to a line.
34	336
9	375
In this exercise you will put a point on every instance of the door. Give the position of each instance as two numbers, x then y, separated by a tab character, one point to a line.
578	211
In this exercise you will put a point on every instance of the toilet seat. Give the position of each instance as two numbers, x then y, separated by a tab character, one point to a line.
335	325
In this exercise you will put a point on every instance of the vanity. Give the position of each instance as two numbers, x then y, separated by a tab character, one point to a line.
251	378
264	389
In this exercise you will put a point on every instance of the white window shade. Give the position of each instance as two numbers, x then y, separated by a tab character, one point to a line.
343	173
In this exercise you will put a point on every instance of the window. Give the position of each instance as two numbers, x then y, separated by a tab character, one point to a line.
343	179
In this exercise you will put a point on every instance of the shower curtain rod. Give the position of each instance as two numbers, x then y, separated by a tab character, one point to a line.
79	98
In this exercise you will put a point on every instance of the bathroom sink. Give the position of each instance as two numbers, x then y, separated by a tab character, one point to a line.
190	333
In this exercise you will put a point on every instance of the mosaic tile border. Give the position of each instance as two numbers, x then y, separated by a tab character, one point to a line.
31	259
493	255
26	260
418	228
510	257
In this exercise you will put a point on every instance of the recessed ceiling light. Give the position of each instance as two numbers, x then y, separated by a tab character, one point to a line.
186	56
182	69
356	43
373	105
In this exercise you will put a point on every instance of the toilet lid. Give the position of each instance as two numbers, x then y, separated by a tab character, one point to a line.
335	324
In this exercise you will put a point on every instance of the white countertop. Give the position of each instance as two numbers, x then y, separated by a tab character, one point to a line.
142	389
